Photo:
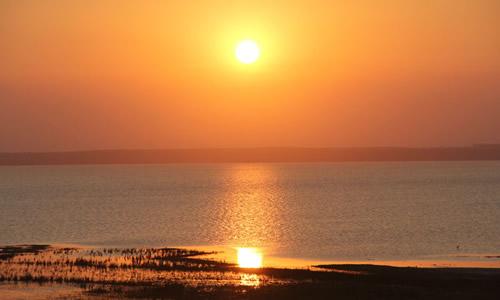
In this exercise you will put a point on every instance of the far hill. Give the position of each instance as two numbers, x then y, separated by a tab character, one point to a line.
229	155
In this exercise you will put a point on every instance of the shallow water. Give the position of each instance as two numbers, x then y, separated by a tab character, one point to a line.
341	211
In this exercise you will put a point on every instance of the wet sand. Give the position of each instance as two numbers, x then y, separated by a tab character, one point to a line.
47	272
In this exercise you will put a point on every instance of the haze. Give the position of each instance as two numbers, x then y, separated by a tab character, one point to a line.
162	74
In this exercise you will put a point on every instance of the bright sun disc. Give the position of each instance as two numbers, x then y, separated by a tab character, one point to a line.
247	51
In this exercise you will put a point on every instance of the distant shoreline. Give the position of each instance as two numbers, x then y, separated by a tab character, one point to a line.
253	155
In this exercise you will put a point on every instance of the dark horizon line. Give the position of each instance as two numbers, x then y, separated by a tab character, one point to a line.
477	145
254	154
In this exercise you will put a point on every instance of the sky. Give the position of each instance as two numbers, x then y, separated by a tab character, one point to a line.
107	74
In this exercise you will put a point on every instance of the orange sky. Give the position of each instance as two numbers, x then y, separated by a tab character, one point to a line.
159	74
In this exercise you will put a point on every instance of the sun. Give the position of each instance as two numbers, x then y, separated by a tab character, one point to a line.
247	51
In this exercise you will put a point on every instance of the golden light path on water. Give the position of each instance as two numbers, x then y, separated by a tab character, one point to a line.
250	216
251	211
249	222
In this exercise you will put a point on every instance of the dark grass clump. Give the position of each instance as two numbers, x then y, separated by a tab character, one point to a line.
8	252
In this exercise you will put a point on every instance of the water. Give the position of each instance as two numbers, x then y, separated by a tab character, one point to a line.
341	211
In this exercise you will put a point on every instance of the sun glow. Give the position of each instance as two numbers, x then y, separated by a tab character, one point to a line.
249	258
247	51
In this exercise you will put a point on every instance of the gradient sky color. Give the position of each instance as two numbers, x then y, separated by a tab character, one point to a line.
89	74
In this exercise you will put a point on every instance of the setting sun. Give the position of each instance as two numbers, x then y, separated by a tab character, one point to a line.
249	258
247	51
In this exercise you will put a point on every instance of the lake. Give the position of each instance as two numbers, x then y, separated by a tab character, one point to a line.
330	211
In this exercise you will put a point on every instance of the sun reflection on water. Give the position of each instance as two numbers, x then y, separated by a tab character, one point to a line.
249	257
250	280
248	214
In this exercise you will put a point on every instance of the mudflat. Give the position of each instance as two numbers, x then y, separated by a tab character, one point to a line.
45	271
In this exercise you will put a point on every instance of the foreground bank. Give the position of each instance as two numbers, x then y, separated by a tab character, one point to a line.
41	271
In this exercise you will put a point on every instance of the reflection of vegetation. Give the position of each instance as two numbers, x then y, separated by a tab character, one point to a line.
185	274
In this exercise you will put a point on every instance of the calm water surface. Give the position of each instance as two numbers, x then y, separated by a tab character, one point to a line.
343	211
